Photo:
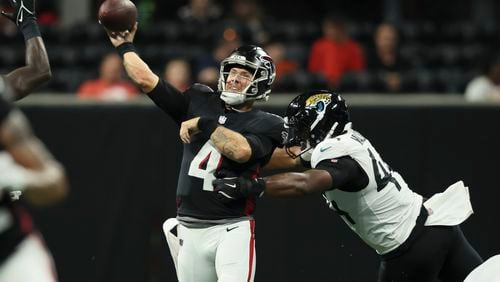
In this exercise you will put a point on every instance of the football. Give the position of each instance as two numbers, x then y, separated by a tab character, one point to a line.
118	15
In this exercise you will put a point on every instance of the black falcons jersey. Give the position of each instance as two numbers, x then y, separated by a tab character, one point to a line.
201	159
15	222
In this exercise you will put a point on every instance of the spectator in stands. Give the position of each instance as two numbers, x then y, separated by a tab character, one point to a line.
248	21
200	12
110	86
335	53
178	73
200	15
485	87
385	61
47	14
285	67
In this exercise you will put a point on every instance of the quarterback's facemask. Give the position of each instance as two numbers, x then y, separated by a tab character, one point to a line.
314	116
259	64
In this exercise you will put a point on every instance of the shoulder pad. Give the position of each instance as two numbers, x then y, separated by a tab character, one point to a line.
266	121
201	88
275	118
336	147
270	125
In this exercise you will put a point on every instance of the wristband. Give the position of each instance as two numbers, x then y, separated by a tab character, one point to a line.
259	186
30	29
207	125
125	48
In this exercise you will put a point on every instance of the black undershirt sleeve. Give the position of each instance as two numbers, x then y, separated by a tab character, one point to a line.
347	175
261	145
170	100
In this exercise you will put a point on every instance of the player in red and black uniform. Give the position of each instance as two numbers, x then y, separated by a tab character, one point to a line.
223	134
26	167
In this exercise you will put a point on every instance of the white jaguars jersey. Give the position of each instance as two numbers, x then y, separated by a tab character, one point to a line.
384	212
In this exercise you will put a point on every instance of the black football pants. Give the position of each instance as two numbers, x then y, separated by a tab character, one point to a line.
440	252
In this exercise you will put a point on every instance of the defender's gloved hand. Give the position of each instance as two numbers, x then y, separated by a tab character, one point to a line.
233	188
24	12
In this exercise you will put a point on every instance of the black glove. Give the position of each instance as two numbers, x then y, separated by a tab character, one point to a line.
24	12
233	188
24	17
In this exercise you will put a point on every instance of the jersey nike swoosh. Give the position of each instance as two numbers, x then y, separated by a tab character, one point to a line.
231	185
324	149
229	229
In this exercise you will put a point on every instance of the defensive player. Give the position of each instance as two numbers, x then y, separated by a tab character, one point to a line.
223	134
416	241
26	167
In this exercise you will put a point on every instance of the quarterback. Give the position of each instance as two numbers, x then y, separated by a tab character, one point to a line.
223	134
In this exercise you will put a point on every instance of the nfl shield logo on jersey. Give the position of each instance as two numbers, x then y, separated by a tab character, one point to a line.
222	119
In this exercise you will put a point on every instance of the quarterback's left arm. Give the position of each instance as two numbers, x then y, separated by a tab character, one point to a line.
231	144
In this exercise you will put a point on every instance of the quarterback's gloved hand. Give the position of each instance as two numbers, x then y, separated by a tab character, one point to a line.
233	188
24	12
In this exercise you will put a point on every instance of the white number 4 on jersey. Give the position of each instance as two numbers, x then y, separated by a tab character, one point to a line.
204	164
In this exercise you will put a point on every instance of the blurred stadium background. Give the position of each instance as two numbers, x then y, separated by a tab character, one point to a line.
123	156
444	42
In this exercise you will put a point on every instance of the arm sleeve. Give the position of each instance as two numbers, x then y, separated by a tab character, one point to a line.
170	100
346	173
261	145
268	136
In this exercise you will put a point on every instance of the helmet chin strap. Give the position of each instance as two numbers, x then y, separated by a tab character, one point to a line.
233	98
293	155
